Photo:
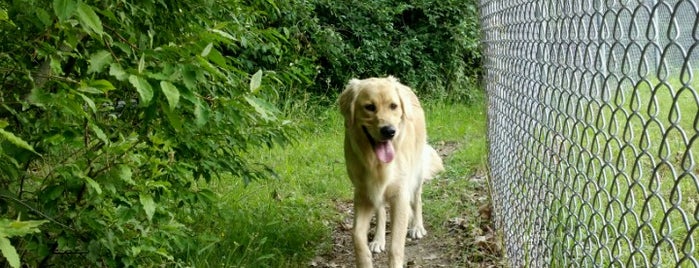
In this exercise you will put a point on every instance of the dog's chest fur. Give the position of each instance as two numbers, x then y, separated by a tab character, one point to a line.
378	182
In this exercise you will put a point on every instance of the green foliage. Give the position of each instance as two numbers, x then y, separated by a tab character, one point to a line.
117	115
430	45
113	112
15	228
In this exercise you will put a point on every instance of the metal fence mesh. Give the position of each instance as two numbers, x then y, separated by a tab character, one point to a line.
593	128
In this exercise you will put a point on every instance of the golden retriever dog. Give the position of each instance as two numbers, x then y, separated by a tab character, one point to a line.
387	158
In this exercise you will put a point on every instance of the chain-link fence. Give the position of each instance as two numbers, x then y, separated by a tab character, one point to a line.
593	127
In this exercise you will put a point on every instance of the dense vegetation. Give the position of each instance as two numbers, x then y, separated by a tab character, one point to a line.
115	115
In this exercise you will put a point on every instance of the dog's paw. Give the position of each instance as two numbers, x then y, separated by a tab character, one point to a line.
417	232
377	246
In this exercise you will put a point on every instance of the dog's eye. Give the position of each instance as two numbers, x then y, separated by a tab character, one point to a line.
370	107
393	106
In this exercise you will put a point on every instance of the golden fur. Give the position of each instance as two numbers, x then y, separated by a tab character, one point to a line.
387	158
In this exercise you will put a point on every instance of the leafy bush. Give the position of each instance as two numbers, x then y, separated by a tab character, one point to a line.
431	45
111	113
10	229
116	114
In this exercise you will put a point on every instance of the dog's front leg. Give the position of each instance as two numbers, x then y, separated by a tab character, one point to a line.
379	243
417	228
400	214
362	218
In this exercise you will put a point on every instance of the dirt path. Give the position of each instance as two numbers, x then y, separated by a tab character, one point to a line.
458	244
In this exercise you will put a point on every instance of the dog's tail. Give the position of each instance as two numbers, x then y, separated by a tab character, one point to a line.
432	163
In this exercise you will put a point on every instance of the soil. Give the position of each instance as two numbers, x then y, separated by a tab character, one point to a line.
461	246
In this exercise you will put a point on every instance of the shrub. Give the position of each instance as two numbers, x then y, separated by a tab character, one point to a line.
112	112
430	45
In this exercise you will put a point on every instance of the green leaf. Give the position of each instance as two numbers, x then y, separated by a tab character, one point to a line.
148	205
124	173
224	34
207	195
187	94
263	108
201	114
102	85
89	19
88	89
51	193
16	140
207	50
116	71
10	228
145	91
4	17
207	66
9	252
15	228
64	8
98	60
141	63
189	76
56	65
174	119
171	93
216	57
94	185
100	134
42	16
256	81
89	102
38	97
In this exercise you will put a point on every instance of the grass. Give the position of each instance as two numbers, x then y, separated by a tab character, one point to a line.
285	222
282	222
635	196
468	135
461	192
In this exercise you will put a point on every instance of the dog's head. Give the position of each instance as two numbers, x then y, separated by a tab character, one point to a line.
377	107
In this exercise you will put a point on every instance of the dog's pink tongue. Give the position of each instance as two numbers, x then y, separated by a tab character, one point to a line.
384	151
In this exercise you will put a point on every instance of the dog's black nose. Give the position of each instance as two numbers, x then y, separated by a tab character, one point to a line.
388	132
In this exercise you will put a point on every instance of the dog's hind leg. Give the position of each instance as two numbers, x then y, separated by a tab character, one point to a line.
378	244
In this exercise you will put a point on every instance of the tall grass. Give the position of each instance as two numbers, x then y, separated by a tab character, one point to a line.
464	124
285	221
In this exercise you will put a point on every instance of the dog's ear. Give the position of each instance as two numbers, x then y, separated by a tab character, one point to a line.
347	99
408	99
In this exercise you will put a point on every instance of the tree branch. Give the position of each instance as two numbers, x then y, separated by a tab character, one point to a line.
20	202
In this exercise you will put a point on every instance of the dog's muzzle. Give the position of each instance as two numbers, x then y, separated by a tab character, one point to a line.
387	132
384	147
